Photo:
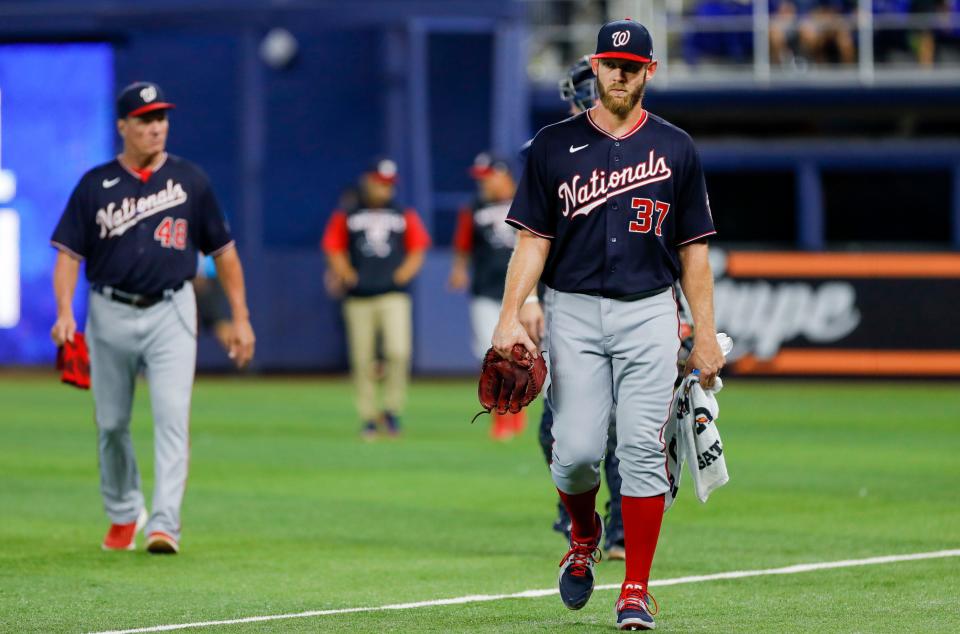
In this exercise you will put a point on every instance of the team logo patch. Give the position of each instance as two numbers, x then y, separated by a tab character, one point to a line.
377	228
148	94
620	38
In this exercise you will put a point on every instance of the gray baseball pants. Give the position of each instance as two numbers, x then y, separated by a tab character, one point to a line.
161	341
610	356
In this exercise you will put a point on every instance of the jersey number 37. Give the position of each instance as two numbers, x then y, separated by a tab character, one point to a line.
172	233
645	208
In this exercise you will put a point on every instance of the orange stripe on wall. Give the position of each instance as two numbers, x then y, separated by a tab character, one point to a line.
856	362
842	265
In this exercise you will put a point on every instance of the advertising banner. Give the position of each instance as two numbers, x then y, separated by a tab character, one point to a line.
56	122
836	314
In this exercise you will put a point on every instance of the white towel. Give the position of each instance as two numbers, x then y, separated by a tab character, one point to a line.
691	435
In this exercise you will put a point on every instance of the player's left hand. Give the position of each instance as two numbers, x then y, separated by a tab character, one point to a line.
707	357
402	276
242	343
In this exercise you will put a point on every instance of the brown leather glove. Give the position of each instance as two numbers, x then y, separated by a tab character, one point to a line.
509	385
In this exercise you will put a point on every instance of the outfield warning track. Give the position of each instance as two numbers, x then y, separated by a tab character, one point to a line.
530	594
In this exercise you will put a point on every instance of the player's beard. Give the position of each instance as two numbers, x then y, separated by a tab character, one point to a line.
620	106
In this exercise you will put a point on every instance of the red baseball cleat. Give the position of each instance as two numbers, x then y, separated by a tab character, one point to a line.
159	543
123	536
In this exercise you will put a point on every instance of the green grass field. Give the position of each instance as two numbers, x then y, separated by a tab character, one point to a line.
287	510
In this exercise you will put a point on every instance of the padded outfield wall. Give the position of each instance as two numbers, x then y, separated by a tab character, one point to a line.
432	83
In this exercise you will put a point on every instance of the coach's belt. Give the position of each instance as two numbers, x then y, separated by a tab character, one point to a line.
134	299
630	297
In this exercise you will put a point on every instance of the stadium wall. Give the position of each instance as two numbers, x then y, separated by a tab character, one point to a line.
379	78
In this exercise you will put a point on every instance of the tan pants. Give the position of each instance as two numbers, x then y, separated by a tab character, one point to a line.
388	315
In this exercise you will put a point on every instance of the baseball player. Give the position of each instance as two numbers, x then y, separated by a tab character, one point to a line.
138	223
482	244
579	90
612	209
375	248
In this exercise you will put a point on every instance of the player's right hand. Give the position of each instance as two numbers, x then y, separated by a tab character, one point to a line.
242	343
531	318
509	333
63	330
459	279
349	278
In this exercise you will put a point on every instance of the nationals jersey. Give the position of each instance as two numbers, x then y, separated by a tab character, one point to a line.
482	234
376	240
615	209
140	233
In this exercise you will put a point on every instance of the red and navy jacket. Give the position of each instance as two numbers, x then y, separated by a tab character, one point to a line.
376	241
140	232
482	234
615	209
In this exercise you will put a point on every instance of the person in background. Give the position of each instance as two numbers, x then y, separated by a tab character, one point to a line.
142	314
374	249
813	30
579	90
482	245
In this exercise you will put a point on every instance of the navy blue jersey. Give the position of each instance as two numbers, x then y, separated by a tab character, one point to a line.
142	237
482	234
615	209
376	241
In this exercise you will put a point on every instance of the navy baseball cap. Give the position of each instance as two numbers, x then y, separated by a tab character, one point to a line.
140	98
486	163
624	39
383	170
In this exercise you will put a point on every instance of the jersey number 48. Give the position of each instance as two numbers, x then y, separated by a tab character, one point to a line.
172	233
645	208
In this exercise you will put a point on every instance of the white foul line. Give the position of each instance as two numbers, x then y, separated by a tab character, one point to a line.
531	594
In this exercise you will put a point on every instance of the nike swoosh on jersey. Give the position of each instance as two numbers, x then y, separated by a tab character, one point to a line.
577	149
110	182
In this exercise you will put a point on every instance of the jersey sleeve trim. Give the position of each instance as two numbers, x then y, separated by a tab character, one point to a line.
223	249
59	246
519	225
463	234
416	237
694	239
336	238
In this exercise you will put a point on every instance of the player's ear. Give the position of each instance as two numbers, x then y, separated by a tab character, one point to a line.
594	65
122	128
651	69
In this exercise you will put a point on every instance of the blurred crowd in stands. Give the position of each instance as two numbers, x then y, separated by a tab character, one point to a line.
806	32
802	34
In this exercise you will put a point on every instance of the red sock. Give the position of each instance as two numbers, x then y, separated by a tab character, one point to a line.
582	510
519	422
500	427
641	526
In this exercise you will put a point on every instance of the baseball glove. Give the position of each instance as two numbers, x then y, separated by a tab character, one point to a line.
509	385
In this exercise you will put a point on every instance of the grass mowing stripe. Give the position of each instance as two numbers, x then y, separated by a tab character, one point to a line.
531	594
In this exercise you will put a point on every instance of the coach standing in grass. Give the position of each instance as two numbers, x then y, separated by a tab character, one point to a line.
375	248
138	222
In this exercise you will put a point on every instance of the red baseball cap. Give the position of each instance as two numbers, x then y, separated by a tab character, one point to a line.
384	170
486	163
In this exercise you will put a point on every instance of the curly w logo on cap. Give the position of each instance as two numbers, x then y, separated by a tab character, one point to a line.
624	39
